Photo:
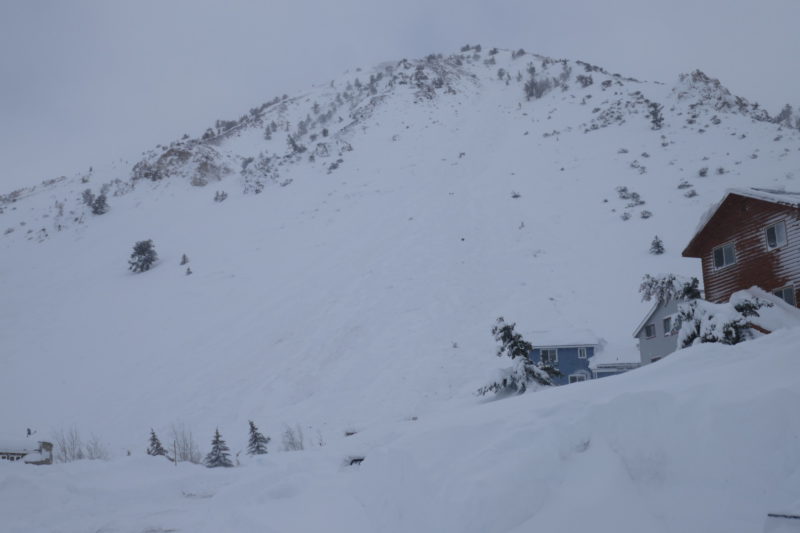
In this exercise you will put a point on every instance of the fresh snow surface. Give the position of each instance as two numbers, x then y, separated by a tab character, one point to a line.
356	292
705	440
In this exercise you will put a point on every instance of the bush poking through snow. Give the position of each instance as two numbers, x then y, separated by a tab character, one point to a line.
69	446
184	445
257	443
726	323
293	439
143	256
218	456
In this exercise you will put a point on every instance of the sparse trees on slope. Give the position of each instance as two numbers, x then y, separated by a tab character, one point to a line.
100	205
155	447
218	456
143	256
257	444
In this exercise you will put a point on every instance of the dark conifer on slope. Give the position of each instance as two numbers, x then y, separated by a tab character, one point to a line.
155	447
143	256
218	456
257	445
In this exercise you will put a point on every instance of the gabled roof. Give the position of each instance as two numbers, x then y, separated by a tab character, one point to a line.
775	196
646	319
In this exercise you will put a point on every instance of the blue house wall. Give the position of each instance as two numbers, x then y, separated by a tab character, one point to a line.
569	364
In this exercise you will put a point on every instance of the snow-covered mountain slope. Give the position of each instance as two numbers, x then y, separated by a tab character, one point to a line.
706	440
353	272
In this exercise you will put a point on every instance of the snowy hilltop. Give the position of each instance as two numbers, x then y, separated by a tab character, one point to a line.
334	260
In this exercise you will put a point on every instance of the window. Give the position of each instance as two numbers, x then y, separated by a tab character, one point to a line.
576	378
724	256
650	331
549	356
786	294
581	353
668	326
776	236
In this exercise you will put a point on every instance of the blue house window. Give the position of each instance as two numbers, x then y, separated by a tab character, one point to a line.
581	353
549	356
574	378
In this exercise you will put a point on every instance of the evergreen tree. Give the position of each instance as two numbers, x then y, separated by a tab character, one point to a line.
99	205
218	456
524	371
155	447
657	246
257	445
143	256
184	259
511	343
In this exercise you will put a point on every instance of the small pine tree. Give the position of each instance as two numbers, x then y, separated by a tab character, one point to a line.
257	445
184	259
657	246
155	447
188	271
218	456
88	197
143	256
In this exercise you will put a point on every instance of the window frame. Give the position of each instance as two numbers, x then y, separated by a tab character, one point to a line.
722	247
667	326
655	332
778	245
583	350
791	290
554	361
576	378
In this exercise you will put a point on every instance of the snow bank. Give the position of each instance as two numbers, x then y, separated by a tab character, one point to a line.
676	446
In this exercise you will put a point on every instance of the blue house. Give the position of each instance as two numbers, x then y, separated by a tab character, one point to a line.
568	351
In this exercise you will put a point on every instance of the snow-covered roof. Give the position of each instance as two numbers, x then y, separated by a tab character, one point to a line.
18	445
564	337
614	357
776	196
645	319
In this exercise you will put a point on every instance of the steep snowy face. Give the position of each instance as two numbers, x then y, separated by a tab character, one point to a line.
350	247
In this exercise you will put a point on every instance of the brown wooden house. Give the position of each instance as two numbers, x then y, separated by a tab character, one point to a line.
751	237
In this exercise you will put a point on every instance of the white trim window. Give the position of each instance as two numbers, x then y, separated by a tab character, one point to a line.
548	356
667	322
776	235
649	331
582	353
786	294
724	256
575	378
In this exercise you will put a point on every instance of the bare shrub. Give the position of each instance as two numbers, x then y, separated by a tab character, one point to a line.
293	439
184	447
68	446
95	449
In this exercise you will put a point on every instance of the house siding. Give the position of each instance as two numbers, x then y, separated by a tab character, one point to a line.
662	344
743	221
568	361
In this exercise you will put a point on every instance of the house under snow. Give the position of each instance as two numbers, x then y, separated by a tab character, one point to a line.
26	450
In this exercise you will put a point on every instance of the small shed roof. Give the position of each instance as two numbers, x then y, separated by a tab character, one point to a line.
18	445
775	196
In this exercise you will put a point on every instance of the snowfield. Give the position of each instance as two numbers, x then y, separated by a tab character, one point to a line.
349	283
706	440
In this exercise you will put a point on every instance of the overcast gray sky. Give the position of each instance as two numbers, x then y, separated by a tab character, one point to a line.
86	82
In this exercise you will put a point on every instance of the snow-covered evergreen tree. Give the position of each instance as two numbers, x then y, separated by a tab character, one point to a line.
218	456
667	287
257	444
657	246
184	259
155	447
143	256
524	371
